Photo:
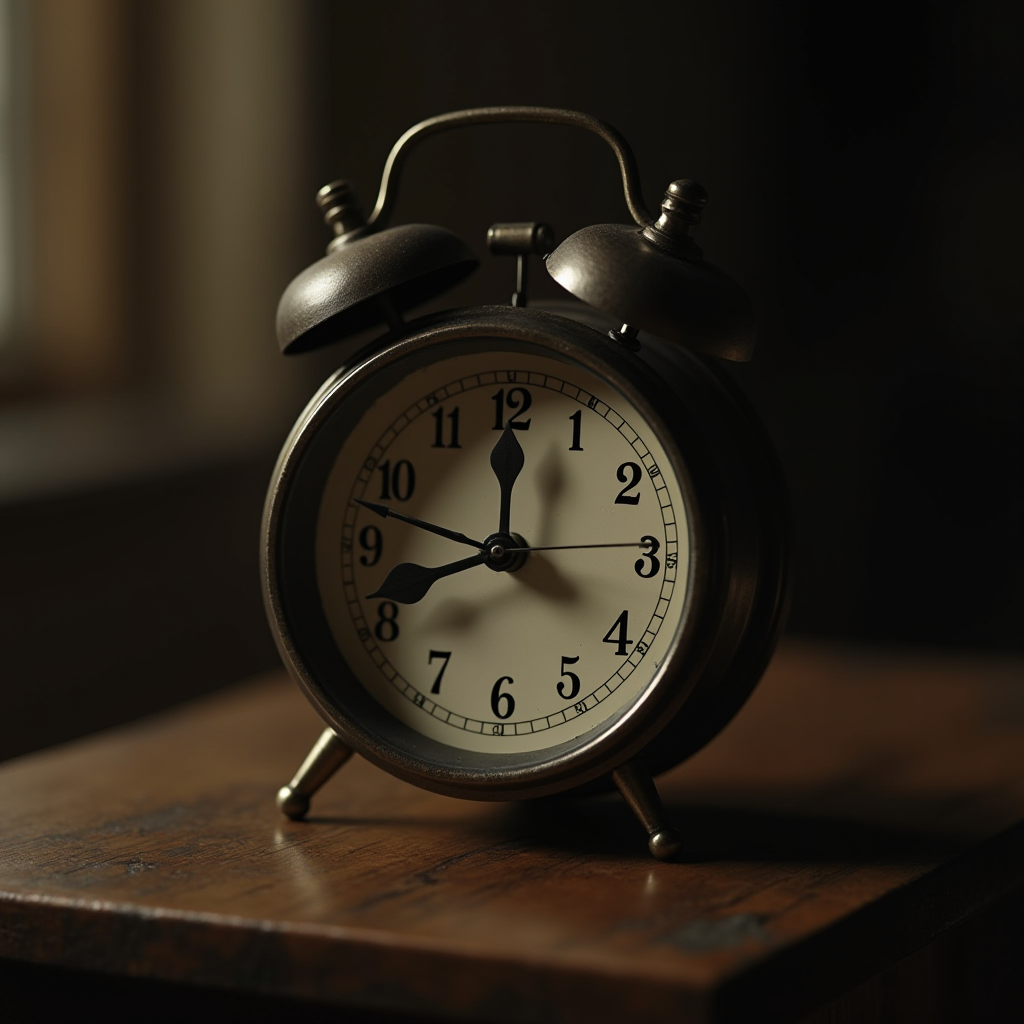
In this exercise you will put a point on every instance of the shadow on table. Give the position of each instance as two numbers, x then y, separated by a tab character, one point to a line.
605	825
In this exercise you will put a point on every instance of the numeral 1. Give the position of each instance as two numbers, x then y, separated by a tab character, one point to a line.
576	418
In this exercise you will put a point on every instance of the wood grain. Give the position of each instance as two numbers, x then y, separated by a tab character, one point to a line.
861	804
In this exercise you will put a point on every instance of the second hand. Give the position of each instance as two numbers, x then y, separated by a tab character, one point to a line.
574	547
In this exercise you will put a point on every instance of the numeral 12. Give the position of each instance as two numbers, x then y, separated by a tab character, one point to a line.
518	401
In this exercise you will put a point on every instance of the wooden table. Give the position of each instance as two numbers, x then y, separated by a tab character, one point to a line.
860	806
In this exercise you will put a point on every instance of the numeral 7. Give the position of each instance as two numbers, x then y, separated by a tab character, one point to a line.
436	688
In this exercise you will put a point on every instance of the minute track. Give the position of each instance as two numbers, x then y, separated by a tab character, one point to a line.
400	667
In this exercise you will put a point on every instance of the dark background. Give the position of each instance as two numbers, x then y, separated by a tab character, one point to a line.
864	164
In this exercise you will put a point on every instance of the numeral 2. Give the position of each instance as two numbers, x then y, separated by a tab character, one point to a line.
628	471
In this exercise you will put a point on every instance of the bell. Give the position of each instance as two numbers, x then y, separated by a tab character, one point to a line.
656	279
366	278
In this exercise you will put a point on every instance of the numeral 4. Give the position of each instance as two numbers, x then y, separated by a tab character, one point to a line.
619	627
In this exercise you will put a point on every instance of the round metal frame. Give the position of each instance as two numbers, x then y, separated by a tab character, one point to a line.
735	589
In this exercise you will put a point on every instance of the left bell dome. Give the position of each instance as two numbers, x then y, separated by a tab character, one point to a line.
356	284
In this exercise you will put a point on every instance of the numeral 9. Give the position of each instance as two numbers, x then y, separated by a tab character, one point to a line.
371	542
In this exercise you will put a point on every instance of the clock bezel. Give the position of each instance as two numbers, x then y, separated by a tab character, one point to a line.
292	598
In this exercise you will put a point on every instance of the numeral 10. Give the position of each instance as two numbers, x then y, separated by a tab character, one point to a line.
399	482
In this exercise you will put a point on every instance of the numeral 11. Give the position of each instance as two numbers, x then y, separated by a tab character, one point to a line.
453	420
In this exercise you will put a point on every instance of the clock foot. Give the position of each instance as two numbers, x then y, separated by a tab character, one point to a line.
326	757
637	787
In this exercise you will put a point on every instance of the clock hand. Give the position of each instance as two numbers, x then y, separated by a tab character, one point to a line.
383	511
507	460
408	582
573	547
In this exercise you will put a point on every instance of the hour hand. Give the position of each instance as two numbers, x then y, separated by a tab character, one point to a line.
408	582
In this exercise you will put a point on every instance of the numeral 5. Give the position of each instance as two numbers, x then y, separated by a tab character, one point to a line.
574	680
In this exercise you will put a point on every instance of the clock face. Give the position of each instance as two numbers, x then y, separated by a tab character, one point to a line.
478	658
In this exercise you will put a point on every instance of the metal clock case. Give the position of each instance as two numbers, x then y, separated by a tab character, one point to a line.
509	552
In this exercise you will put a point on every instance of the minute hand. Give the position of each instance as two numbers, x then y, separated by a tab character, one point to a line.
408	582
383	511
507	460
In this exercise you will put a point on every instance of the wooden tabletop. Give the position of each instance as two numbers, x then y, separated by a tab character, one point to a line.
861	803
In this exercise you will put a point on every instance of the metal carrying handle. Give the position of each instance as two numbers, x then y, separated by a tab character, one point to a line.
498	115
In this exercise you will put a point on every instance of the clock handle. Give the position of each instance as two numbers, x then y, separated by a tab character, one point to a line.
634	782
326	757
387	196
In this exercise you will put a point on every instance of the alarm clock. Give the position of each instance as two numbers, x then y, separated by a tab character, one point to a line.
509	551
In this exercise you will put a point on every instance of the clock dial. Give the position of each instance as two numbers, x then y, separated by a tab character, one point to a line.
497	649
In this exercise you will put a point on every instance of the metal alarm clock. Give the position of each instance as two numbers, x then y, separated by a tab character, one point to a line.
510	552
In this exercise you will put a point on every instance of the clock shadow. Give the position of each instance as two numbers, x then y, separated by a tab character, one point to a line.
605	825
539	576
549	476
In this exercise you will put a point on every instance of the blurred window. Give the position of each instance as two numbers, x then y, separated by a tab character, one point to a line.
9	123
63	128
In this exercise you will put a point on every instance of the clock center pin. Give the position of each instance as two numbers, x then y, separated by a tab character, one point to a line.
499	556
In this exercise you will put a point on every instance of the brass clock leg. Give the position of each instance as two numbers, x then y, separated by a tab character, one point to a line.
326	757
638	790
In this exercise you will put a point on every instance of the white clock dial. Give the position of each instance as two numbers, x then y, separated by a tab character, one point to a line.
504	661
